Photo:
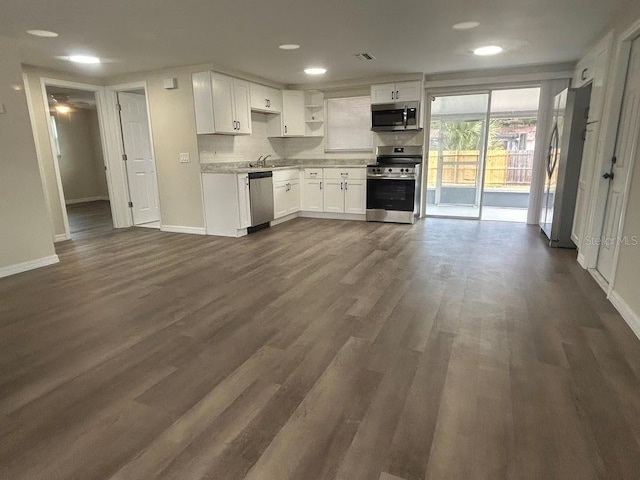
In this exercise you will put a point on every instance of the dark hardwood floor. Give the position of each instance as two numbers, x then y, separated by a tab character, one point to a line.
89	219
317	350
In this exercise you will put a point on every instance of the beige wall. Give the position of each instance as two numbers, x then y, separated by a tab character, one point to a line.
81	162
174	131
41	135
25	231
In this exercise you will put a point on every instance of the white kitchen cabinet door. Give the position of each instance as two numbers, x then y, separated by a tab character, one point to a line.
274	100
383	93
223	108
333	198
293	197
311	200
293	121
408	91
355	196
265	99
280	205
244	201
242	107
203	102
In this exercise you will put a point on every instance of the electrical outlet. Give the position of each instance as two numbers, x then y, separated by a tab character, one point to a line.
184	158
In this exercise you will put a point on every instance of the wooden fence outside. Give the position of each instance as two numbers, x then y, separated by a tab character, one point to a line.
503	168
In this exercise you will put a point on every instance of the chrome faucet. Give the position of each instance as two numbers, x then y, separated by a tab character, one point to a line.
262	162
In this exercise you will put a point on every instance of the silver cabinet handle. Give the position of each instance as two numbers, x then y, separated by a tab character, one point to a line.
392	94
341	185
285	129
397	95
346	185
320	185
238	125
246	180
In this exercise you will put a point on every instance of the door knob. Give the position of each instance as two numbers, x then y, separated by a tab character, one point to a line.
608	176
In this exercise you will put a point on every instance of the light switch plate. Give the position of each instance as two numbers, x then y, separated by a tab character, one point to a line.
1	107
184	158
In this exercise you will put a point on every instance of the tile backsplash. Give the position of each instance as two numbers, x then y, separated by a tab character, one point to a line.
241	148
247	148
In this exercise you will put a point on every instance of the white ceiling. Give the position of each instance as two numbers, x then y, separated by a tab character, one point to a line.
406	36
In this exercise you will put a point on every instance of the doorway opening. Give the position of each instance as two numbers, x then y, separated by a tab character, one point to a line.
481	152
135	136
77	147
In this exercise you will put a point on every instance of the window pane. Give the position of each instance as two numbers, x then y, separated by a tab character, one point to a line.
349	124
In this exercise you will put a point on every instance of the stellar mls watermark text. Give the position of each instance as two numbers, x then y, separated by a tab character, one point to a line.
626	240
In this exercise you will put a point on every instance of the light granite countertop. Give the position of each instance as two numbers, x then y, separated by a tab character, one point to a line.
243	167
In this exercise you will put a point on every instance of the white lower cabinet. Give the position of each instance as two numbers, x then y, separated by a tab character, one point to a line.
227	205
286	192
311	197
334	195
244	200
345	190
355	196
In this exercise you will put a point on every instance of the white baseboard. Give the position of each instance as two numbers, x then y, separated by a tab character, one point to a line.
61	237
582	261
600	280
84	200
179	229
334	216
631	317
26	266
286	218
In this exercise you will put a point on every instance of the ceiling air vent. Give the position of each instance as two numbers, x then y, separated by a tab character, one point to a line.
365	56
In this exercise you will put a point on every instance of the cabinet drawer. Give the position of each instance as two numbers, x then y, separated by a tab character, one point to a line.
312	173
350	172
289	174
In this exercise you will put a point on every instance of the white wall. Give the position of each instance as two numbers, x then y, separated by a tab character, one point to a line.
25	231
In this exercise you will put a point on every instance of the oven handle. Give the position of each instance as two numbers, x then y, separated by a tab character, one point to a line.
386	177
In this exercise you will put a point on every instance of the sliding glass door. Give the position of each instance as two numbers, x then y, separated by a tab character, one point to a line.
481	151
456	155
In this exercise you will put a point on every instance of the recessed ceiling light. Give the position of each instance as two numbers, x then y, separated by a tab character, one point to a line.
465	25
488	50
315	71
42	33
83	59
288	46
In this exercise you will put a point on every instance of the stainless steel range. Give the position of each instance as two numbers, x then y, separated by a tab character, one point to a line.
393	185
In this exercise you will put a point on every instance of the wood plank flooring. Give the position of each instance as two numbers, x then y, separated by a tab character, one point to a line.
316	350
89	219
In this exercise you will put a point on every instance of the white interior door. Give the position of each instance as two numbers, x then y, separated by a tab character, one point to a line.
626	150
141	170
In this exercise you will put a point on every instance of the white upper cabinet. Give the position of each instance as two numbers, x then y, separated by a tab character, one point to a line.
221	104
383	93
293	113
242	106
396	92
291	123
265	99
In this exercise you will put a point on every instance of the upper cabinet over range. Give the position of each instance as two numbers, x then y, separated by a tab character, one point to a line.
396	92
221	104
265	99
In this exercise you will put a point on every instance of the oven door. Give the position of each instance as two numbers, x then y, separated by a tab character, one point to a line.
396	194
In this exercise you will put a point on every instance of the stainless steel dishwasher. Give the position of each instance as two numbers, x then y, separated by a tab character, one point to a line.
261	195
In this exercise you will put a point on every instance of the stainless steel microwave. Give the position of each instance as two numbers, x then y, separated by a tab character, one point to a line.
395	117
